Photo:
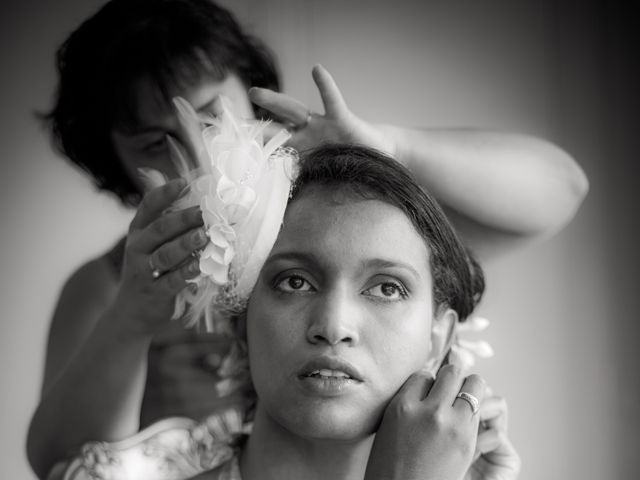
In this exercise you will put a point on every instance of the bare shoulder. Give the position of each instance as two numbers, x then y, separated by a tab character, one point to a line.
85	296
94	282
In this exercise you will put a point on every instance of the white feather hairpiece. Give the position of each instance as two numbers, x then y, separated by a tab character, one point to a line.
242	186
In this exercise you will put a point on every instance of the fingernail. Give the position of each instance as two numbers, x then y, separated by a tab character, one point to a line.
198	237
197	215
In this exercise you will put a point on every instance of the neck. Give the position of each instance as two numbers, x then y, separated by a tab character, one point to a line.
274	453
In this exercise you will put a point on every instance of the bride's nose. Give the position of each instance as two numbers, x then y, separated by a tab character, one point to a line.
334	319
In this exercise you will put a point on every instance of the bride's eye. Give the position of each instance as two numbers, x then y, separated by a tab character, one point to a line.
293	283
387	291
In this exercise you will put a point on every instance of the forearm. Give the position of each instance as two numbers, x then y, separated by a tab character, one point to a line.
97	396
508	182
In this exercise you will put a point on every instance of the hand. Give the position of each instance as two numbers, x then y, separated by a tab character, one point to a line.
427	437
157	259
495	458
338	124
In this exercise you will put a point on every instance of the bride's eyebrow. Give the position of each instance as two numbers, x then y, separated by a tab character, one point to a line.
384	263
298	257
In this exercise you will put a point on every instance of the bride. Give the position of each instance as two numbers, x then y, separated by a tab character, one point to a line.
347	330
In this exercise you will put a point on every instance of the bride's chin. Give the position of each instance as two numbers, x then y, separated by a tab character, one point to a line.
324	426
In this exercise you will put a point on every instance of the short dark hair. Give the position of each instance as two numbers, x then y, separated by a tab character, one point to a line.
172	43
458	280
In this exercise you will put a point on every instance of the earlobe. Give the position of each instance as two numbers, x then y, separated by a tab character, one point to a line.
442	336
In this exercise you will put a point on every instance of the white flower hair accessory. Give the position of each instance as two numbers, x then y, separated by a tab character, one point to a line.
242	186
464	352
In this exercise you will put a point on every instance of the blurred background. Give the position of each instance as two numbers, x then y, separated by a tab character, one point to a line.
563	310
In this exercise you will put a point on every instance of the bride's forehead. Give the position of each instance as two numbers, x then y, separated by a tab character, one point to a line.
341	199
325	215
324	205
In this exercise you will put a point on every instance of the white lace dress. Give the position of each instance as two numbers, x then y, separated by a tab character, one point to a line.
171	449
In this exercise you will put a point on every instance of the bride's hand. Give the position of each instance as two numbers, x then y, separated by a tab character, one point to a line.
428	435
309	129
157	259
495	458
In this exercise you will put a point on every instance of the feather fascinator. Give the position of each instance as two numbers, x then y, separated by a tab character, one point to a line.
241	184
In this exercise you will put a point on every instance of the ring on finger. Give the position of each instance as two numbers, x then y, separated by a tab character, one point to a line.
155	272
471	400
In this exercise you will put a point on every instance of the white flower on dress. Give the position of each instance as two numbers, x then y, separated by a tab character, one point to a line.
464	352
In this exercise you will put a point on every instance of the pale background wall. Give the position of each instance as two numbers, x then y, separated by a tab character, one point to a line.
564	310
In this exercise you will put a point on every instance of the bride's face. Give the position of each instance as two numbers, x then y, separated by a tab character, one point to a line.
341	315
144	145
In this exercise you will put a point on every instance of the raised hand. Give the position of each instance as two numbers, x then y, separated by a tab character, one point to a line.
158	258
427	431
495	458
336	124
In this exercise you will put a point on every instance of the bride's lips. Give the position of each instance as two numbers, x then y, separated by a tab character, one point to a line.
328	375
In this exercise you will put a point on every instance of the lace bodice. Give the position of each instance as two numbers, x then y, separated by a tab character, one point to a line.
172	449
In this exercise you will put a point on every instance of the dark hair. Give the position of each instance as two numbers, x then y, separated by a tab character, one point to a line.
458	280
170	42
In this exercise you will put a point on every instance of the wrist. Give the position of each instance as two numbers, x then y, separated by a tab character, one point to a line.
393	139
126	325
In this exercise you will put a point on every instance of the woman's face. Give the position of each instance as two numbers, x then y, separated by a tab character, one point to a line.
145	144
341	315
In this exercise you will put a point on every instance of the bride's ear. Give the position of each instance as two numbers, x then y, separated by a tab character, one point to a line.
442	336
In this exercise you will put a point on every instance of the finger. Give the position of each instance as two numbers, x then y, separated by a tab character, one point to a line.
189	128
174	281
494	413
151	178
500	454
216	108
473	385
446	386
417	386
155	202
488	441
334	104
166	228
283	106
173	253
